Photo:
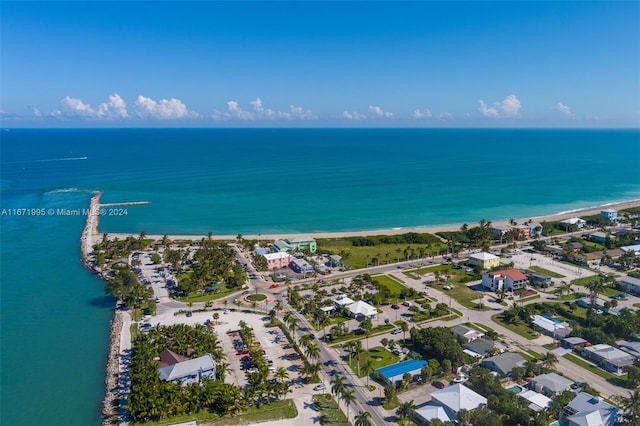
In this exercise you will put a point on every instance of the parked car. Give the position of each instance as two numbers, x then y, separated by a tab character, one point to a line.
406	303
439	385
274	286
396	331
320	387
394	306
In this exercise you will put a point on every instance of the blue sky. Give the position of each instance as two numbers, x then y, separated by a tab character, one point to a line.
314	64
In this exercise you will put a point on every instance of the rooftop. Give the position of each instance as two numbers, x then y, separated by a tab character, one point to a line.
401	368
514	274
458	397
484	256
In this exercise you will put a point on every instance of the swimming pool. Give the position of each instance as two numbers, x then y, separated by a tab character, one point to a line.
515	389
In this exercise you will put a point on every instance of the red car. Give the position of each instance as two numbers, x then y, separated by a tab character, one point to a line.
246	358
439	385
242	352
274	286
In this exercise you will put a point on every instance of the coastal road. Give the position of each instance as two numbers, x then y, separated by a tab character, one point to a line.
332	365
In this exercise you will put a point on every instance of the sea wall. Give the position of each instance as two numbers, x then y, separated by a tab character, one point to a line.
111	402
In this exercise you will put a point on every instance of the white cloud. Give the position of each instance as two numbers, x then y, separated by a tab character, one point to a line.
75	108
71	107
419	114
378	112
508	107
234	111
36	112
353	115
488	112
115	108
164	109
565	110
445	115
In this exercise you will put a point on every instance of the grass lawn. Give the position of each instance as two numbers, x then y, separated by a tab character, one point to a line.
481	327
275	411
394	286
546	271
594	369
379	357
256	297
584	280
330	413
361	256
526	299
395	403
520	328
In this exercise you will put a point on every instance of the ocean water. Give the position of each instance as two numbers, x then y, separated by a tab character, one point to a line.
55	316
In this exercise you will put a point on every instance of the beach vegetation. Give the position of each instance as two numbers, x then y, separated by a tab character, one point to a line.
123	284
329	411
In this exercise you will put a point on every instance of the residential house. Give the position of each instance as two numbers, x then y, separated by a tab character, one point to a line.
610	214
634	248
589	410
303	244
335	261
585	302
277	260
504	363
537	401
591	260
580	223
446	403
609	358
522	232
551	384
484	260
535	229
572	342
189	371
301	266
551	327
630	284
633	348
600	237
465	333
500	232
508	279
538	279
394	372
478	348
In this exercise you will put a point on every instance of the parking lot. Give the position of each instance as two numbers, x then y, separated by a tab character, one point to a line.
275	344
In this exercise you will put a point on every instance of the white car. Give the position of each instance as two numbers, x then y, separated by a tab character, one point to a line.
406	303
319	387
396	331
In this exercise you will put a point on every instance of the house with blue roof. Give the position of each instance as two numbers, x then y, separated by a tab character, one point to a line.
393	373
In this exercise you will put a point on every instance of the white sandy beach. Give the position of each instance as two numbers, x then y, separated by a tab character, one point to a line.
395	231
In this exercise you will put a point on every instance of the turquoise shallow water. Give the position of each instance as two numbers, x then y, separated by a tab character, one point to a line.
54	314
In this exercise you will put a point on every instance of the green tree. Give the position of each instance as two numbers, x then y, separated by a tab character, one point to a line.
631	406
348	397
549	360
405	411
389	393
363	419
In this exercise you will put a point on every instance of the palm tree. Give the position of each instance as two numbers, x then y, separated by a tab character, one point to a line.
404	327
595	287
348	397
313	351
337	385
368	368
216	317
406	410
549	360
631	407
362	419
281	373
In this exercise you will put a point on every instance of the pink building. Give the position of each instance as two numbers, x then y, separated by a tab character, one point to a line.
280	259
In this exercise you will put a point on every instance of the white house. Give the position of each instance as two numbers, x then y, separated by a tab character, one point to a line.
589	410
609	214
362	309
446	403
189	371
508	279
580	223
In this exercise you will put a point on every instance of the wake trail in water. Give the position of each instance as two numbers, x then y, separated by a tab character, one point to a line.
48	160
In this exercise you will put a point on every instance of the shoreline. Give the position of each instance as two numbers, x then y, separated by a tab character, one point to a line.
110	410
394	231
